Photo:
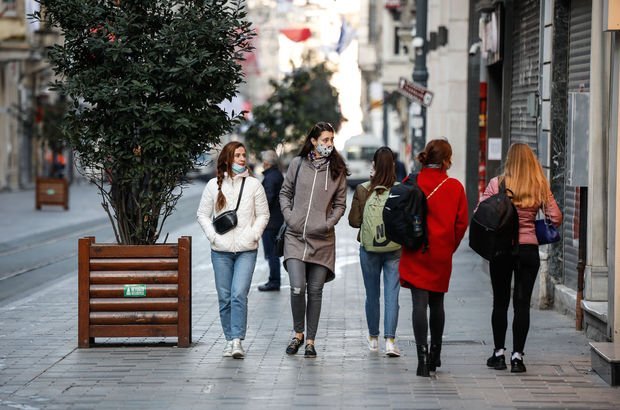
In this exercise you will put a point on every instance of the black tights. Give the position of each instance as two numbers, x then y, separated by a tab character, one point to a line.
421	299
525	268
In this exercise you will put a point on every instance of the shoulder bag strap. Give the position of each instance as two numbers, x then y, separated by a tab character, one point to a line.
437	187
240	193
295	183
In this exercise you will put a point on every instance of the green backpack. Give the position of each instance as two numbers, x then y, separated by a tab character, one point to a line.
372	231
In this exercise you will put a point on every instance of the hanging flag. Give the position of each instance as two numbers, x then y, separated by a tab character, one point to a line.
347	34
297	34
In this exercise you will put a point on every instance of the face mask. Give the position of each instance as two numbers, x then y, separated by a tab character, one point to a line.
237	169
372	170
324	150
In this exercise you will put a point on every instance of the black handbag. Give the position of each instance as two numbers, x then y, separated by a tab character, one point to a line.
282	230
226	221
546	232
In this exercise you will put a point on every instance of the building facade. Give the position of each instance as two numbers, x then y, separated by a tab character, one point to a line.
546	72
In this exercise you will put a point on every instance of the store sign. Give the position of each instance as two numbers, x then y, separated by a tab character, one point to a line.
415	92
611	20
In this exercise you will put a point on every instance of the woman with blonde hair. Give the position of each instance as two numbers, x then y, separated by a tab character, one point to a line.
524	178
233	252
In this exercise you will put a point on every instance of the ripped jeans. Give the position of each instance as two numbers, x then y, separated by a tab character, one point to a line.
302	276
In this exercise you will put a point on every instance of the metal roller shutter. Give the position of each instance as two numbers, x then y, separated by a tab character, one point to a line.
578	80
525	71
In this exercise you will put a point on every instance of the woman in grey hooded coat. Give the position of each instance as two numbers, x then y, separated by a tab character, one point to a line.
313	199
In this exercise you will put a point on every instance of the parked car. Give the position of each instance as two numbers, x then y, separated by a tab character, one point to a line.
358	153
204	167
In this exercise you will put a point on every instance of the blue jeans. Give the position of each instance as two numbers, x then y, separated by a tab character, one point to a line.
269	243
233	276
372	264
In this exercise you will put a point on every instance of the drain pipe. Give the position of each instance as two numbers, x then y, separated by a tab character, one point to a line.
581	264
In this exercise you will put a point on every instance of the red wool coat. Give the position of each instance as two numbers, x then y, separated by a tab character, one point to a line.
447	222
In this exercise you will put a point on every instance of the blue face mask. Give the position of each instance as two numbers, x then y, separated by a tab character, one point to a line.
237	169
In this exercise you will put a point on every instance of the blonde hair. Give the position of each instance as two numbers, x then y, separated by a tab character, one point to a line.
524	176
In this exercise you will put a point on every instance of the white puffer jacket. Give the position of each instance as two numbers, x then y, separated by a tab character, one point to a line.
252	215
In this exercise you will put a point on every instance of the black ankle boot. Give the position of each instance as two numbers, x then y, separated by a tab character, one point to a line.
434	357
422	361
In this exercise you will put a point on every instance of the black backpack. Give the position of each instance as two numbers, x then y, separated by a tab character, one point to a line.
494	227
404	215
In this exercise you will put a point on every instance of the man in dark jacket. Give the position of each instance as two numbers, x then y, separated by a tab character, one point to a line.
272	182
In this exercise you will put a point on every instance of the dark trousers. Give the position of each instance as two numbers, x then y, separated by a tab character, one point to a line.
421	300
269	243
306	277
525	267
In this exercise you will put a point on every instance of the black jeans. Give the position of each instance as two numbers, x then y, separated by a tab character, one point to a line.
525	267
269	244
434	300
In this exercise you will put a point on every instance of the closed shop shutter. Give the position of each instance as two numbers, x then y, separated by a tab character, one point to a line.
578	81
525	71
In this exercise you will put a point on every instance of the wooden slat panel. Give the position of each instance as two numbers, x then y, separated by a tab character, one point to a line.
117	291
133	318
133	277
133	251
133	331
134	264
83	291
185	292
133	304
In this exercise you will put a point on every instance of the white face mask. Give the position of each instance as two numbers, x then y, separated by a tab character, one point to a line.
324	150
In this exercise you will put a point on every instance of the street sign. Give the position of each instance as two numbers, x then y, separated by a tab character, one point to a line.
415	92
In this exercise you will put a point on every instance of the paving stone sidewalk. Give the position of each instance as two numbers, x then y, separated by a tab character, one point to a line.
41	367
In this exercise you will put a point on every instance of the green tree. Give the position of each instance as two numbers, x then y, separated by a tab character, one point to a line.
145	79
303	98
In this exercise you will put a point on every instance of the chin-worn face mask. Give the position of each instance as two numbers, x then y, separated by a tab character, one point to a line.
324	150
237	169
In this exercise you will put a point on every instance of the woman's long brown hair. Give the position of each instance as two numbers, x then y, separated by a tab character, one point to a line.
224	166
337	166
524	176
385	169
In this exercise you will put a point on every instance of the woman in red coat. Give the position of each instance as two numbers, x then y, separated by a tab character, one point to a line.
427	272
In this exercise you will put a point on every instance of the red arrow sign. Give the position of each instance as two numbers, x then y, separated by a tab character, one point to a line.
415	92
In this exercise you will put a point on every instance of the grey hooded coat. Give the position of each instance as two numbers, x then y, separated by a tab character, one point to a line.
319	204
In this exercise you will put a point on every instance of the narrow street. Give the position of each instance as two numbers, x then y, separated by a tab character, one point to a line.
42	368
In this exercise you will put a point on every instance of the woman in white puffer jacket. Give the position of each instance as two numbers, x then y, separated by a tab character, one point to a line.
233	253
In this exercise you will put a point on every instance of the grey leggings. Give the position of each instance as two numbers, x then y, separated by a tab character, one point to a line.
310	276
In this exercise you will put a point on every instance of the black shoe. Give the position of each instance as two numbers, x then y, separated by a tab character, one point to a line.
293	347
497	362
269	286
310	351
434	357
517	366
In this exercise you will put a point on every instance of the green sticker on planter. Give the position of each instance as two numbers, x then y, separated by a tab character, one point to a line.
134	291
51	191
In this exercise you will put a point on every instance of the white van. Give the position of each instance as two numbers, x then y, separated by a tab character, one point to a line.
358	153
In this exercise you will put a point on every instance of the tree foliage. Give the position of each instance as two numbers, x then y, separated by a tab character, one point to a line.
145	79
303	98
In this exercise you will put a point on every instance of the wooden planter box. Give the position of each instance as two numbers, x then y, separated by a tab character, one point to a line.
52	191
134	291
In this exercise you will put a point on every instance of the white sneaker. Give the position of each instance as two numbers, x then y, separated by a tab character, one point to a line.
373	343
391	349
237	349
227	349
